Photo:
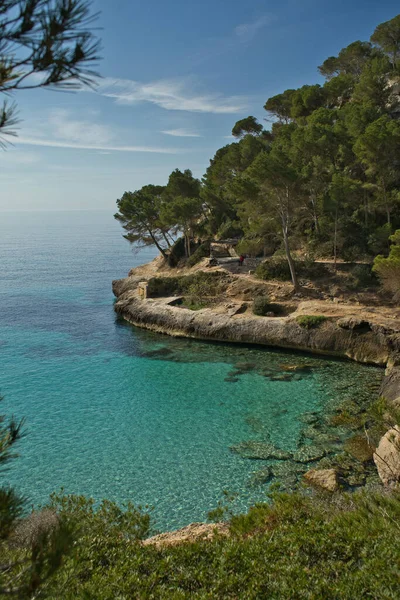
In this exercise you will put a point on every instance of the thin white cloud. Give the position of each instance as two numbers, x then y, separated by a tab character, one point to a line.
66	128
60	129
63	144
247	31
177	94
181	133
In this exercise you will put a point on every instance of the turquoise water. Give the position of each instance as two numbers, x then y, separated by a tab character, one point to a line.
120	413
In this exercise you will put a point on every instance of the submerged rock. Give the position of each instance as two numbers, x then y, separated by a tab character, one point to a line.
158	353
254	450
387	457
287	468
261	477
326	479
359	447
321	437
309	418
308	454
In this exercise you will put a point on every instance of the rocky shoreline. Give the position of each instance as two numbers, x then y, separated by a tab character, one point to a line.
349	336
361	334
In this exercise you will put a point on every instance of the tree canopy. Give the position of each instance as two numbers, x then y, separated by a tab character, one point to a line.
322	180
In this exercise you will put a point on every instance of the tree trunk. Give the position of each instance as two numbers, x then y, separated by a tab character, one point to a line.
335	240
386	202
289	258
166	239
365	209
161	250
314	209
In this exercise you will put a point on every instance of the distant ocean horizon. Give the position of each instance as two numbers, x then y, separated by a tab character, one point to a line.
121	413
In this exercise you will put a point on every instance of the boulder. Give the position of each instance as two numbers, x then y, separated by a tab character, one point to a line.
387	457
326	479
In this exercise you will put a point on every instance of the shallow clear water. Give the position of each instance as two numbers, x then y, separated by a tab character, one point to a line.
117	412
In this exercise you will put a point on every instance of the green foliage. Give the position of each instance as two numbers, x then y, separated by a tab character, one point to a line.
332	547
388	269
262	306
325	178
252	247
362	277
350	61
203	251
139	214
201	283
273	268
310	321
387	37
247	126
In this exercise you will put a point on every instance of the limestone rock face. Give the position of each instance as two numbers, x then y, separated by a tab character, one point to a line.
323	478
387	457
194	532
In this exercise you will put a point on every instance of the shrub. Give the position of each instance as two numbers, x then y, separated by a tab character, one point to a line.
362	277
294	547
163	286
388	269
251	247
310	321
177	252
277	268
198	284
262	306
202	252
273	268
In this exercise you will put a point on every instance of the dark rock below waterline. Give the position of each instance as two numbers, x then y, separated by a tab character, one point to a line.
308	454
254	450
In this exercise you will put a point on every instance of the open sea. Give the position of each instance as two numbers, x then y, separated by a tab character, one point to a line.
120	413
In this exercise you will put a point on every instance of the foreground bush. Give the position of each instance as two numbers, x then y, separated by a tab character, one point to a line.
335	547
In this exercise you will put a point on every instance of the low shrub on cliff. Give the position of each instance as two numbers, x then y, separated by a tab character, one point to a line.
262	306
198	284
310	321
163	286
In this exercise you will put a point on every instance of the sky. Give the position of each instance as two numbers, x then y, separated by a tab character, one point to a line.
176	76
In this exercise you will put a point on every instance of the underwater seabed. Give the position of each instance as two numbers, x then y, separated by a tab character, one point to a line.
326	429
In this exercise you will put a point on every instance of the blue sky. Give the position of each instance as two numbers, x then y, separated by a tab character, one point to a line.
177	75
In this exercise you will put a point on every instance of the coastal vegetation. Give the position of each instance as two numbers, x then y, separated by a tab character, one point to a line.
321	182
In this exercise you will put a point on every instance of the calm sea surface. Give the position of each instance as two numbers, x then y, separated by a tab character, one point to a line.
116	412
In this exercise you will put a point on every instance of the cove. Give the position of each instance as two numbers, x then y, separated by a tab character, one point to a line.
120	413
